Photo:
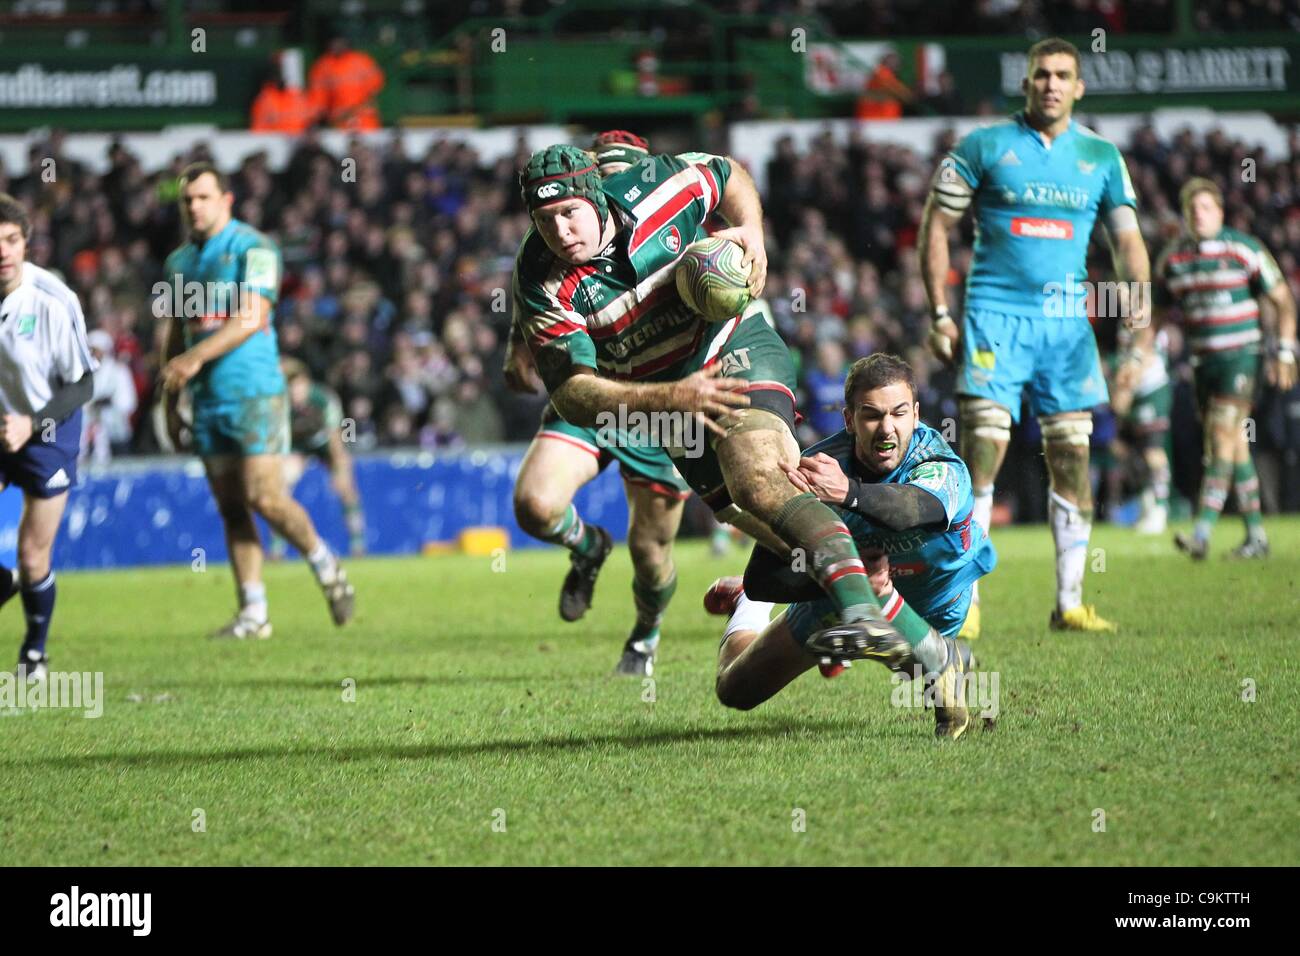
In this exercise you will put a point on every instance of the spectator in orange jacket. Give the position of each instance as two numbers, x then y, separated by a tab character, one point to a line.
343	83
281	109
886	94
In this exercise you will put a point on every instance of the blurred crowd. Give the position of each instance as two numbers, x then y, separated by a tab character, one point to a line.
397	270
844	17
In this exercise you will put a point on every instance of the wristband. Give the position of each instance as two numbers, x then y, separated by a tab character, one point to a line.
851	496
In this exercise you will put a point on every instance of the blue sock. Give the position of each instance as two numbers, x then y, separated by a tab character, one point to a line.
8	585
38	605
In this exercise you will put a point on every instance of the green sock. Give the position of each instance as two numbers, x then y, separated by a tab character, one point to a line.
651	603
575	534
1214	492
927	644
1245	482
812	531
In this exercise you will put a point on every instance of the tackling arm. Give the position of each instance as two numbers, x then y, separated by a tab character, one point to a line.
896	507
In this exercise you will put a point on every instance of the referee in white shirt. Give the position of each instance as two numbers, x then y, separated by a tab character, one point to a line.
46	375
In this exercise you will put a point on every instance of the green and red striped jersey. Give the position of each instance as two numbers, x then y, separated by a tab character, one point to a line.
1215	283
620	313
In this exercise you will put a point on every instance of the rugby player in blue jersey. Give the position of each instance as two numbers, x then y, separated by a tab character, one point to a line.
1037	182
905	497
222	286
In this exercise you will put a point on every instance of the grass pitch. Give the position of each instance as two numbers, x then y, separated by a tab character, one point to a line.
486	731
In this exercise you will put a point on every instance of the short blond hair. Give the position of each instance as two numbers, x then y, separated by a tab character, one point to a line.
1199	185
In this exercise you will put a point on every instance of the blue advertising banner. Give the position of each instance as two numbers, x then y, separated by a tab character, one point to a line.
158	511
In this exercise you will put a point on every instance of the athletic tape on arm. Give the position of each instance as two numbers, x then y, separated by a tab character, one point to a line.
1122	219
950	191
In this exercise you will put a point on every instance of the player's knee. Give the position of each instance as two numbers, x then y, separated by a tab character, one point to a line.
33	561
732	692
1224	421
266	501
762	494
649	552
536	511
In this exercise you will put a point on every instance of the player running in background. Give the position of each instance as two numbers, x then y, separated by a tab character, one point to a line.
1038	182
231	366
1144	408
594	290
1219	278
906	496
46	376
564	457
316	431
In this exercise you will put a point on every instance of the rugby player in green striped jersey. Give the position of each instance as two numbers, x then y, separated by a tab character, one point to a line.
595	298
563	457
1219	278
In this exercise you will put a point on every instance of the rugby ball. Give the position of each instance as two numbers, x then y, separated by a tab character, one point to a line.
711	279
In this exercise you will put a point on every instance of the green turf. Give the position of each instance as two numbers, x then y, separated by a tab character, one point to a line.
472	697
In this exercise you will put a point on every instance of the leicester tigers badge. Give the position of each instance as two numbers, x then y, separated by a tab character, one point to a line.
672	240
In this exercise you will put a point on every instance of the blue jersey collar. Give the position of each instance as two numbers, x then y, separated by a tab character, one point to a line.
1022	119
220	232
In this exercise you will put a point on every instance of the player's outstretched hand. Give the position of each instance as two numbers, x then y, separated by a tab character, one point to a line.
750	238
15	431
1281	375
519	369
179	371
943	340
709	396
820	475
